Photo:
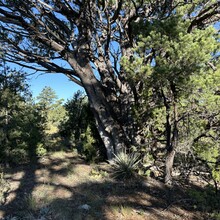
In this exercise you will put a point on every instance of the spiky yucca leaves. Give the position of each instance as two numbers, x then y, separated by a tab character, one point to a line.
124	166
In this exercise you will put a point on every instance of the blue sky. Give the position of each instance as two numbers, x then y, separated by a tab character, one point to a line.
63	87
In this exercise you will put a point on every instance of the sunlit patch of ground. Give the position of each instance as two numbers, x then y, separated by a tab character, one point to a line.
63	186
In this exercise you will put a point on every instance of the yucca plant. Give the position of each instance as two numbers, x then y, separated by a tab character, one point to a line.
124	166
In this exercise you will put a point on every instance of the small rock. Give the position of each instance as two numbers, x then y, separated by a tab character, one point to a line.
85	207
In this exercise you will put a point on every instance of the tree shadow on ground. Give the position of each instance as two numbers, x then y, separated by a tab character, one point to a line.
26	182
63	196
117	200
18	200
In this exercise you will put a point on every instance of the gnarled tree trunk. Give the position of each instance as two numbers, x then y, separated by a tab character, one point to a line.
171	132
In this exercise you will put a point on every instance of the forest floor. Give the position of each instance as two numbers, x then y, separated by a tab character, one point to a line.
62	186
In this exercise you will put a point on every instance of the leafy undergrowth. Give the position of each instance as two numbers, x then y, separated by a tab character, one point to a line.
61	186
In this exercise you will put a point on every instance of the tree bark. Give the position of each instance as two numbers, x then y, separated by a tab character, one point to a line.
171	133
169	166
109	127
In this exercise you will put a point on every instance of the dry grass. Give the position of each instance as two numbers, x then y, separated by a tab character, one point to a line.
61	184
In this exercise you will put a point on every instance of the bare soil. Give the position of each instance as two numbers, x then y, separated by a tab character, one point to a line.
63	186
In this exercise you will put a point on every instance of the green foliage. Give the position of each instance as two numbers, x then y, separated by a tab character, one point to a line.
171	63
51	107
80	130
46	98
216	173
78	117
167	54
30	203
88	145
18	156
98	173
205	122
206	200
124	166
20	123
215	215
146	159
41	150
176	51
208	150
54	113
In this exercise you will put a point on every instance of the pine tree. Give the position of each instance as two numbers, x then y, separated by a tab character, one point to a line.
20	129
167	57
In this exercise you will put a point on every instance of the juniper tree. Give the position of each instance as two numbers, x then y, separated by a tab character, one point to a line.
168	55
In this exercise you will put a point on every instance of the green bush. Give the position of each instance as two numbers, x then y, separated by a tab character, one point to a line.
18	156
41	151
206	200
125	166
88	145
208	151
